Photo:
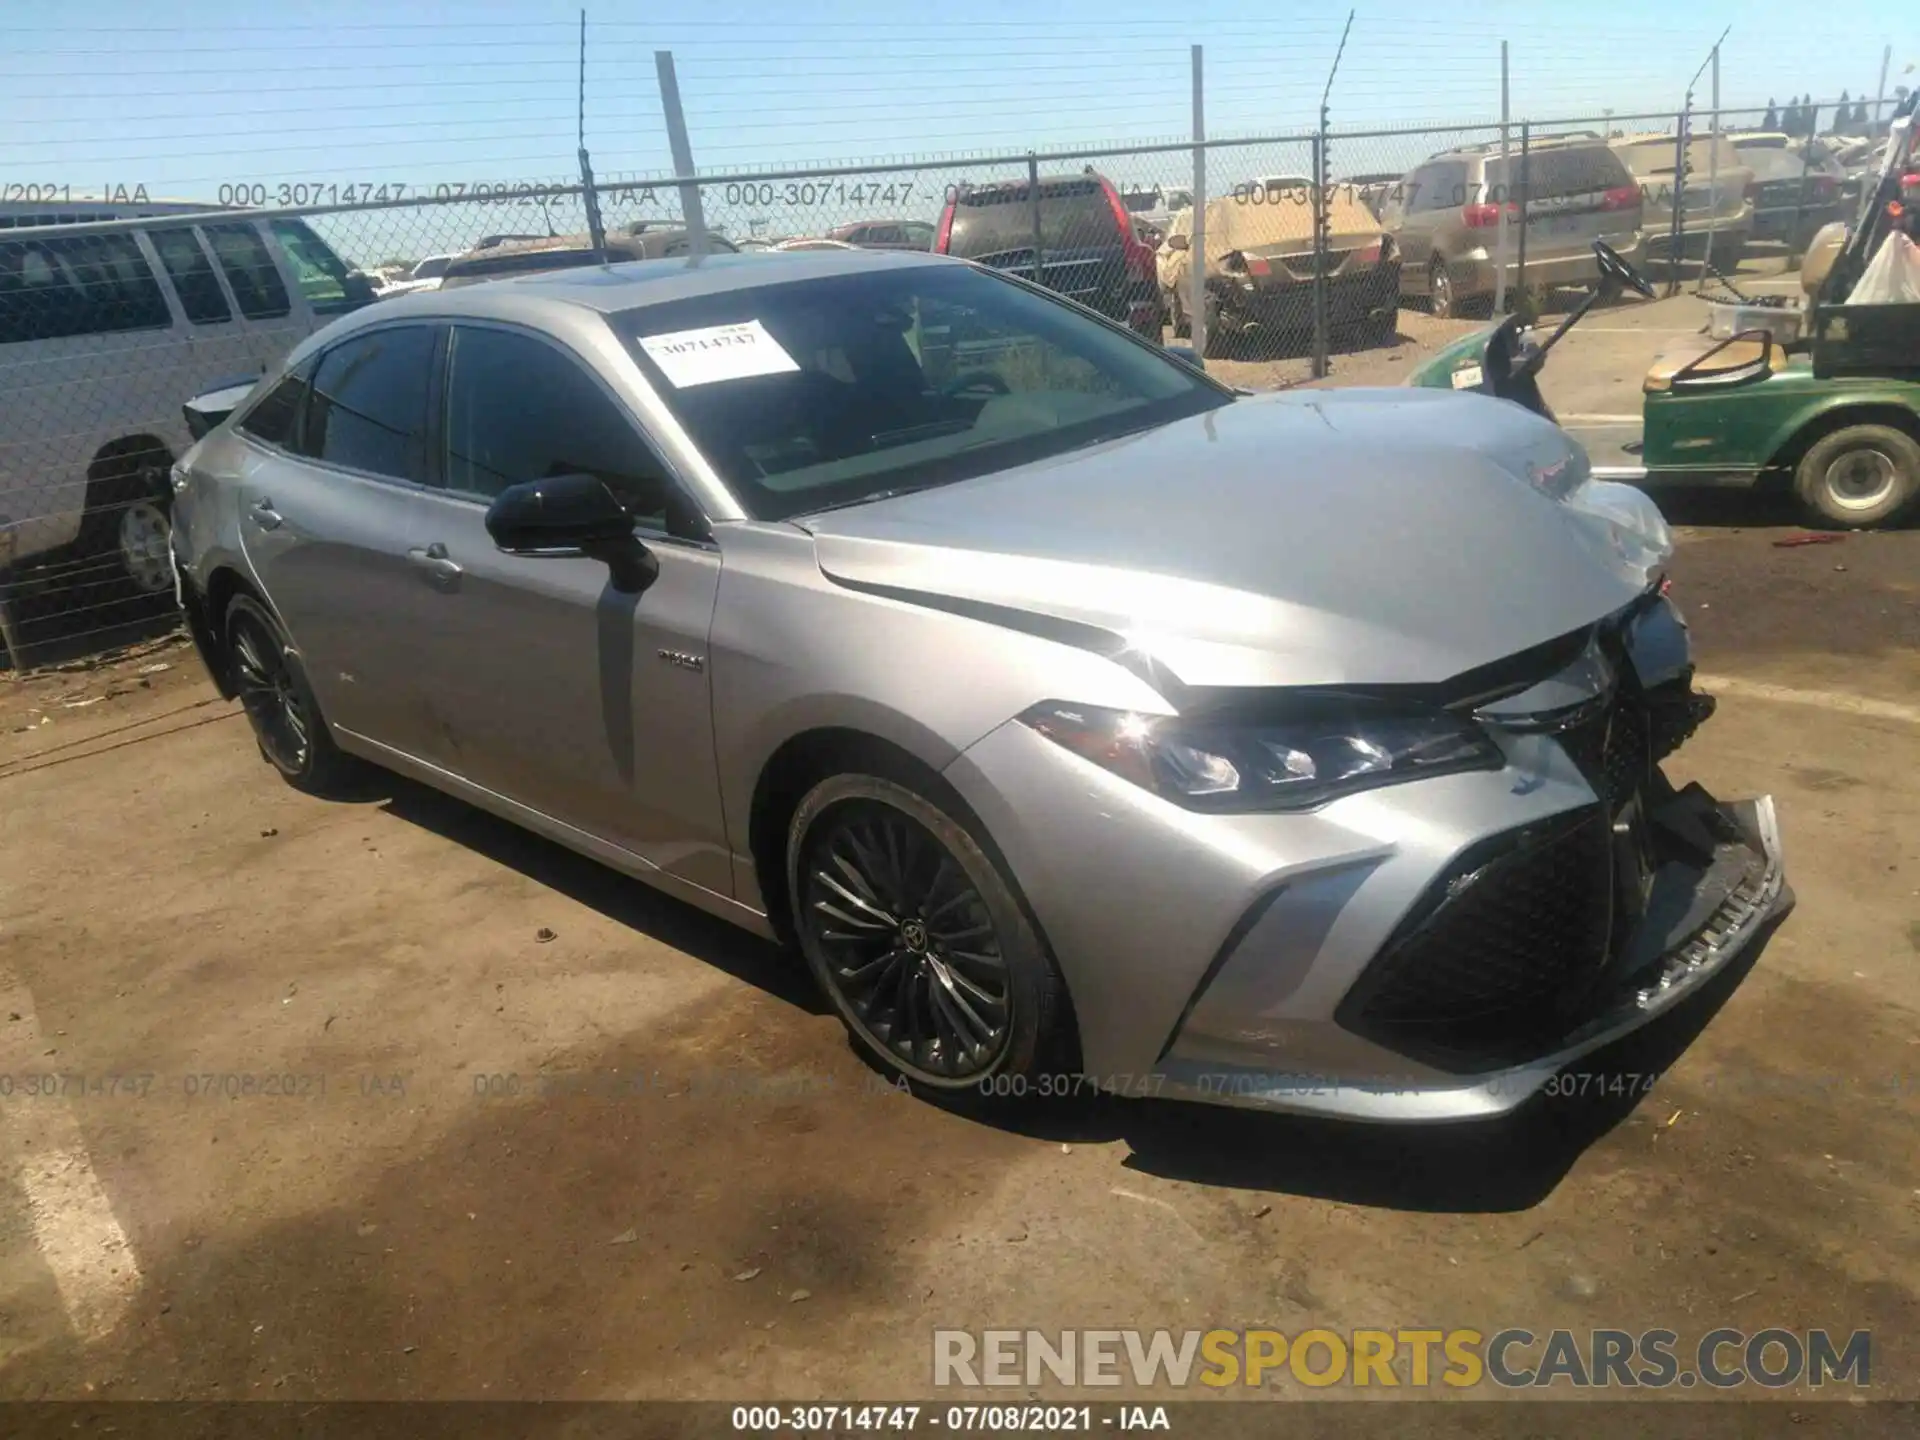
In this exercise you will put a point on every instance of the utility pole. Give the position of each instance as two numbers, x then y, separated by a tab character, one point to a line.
588	198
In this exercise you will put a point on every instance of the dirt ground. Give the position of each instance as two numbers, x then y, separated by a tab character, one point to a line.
550	1135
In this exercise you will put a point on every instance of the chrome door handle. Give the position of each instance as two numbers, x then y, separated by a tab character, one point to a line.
441	569
265	516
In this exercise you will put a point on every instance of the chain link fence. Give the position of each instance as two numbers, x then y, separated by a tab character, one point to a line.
1286	257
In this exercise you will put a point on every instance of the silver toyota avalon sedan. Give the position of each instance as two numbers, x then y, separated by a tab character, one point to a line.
1080	721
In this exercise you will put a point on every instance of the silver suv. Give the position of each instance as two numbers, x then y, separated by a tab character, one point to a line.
1446	215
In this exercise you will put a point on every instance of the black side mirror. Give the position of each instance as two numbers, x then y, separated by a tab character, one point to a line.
572	515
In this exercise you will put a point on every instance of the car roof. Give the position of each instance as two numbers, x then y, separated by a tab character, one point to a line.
610	289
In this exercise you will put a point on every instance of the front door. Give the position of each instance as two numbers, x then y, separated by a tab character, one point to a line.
546	685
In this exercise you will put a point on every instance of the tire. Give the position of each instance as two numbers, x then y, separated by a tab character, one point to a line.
884	886
280	705
1724	256
126	517
1860	476
1440	297
1182	327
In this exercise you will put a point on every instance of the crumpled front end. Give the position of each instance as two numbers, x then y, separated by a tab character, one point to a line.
1542	941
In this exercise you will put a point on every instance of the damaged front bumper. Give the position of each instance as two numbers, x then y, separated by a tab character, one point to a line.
1704	911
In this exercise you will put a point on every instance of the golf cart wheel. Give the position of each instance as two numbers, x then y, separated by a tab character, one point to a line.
1860	476
280	705
917	939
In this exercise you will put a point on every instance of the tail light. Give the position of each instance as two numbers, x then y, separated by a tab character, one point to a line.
1752	192
1371	254
1139	257
1621	197
1256	265
1910	186
1825	187
1485	216
941	240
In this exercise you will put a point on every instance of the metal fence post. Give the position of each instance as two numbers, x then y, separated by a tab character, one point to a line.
1197	241
1810	127
1713	176
588	199
1525	188
676	118
1506	175
1321	250
1677	226
1033	206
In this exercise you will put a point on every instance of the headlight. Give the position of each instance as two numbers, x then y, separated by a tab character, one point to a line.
1317	751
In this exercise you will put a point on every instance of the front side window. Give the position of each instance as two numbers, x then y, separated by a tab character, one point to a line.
88	285
517	409
320	274
823	392
368	410
192	274
250	271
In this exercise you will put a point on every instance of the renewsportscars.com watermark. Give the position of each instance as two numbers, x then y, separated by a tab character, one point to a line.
1512	1358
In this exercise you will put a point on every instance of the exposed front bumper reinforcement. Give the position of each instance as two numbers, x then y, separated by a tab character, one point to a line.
1703	912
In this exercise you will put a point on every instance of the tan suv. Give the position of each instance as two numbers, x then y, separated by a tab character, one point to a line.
1713	199
1446	218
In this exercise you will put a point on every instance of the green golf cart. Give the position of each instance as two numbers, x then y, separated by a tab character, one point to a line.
1835	415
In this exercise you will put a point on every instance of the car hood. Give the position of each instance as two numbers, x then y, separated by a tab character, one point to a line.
1315	538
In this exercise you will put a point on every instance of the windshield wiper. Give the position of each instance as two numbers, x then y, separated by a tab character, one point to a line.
872	496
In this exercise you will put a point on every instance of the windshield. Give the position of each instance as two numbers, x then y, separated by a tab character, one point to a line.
829	391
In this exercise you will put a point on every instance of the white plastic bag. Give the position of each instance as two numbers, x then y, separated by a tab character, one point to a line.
1892	277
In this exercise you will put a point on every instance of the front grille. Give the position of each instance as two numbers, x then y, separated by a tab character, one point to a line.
1614	753
1496	960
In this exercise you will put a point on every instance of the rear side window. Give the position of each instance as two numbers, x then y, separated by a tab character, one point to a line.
250	271
320	274
192	274
88	285
1074	215
1436	187
368	410
276	419
518	409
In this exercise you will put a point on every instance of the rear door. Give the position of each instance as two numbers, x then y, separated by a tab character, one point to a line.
546	685
328	497
266	320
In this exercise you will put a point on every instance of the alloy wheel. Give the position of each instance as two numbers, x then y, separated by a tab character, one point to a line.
271	695
1861	479
144	536
1441	289
909	944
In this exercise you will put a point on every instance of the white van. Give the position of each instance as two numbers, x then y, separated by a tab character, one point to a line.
105	331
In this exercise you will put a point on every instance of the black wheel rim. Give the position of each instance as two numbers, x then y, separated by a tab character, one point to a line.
267	691
910	949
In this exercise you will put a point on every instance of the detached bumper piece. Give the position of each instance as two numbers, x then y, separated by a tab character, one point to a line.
1555	937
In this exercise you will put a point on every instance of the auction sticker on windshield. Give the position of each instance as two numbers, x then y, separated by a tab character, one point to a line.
718	352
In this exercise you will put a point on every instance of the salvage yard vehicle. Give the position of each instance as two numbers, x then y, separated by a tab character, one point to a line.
1261	264
1838	421
1714	208
1088	247
1797	187
1446	218
109	315
1070	712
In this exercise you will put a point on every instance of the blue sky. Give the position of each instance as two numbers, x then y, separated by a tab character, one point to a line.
186	98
